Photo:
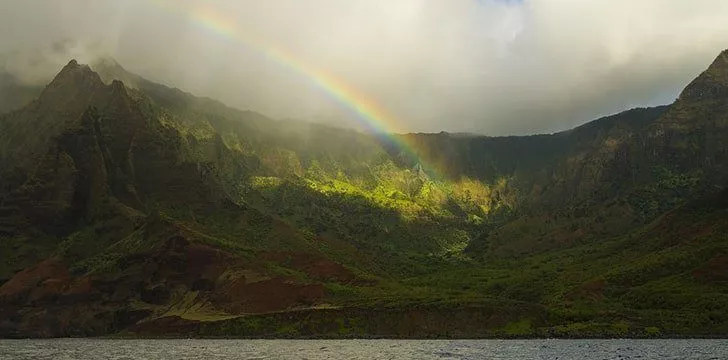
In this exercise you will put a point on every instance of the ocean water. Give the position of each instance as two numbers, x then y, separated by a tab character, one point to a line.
362	349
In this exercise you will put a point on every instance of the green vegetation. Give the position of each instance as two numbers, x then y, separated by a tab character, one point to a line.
191	218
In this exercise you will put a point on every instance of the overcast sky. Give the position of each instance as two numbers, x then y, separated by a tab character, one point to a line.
492	67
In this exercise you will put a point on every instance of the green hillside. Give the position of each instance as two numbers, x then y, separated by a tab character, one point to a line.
128	207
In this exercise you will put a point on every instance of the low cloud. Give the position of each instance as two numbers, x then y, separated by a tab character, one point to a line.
492	67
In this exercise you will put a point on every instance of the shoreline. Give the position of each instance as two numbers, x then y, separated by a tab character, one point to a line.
316	338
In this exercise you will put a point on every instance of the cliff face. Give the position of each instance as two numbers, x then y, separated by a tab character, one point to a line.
82	145
692	133
144	208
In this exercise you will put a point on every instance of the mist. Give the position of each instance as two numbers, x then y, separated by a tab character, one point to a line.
489	67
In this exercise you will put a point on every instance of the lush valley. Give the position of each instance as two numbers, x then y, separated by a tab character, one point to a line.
131	208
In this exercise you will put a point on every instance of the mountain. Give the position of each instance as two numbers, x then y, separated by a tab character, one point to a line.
131	208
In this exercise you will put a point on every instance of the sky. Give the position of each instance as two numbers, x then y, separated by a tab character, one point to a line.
495	67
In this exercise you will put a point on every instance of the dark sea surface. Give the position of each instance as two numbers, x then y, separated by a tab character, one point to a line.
363	349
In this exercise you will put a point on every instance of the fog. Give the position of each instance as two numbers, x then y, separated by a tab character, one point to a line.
491	67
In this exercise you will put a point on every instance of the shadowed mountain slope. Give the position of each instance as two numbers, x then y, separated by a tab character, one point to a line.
129	206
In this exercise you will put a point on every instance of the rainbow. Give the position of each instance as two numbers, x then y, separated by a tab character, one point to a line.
371	115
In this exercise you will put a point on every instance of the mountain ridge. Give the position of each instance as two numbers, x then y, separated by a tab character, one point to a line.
143	209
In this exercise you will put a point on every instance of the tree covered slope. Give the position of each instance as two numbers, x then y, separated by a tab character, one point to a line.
128	207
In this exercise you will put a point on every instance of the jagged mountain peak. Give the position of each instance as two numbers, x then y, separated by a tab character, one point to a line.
712	84
72	81
75	70
81	79
60	106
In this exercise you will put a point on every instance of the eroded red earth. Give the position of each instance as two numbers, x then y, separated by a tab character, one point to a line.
235	284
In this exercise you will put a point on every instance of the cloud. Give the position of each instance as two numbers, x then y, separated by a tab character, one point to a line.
491	66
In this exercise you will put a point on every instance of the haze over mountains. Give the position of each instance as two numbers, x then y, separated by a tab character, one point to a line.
128	207
490	67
